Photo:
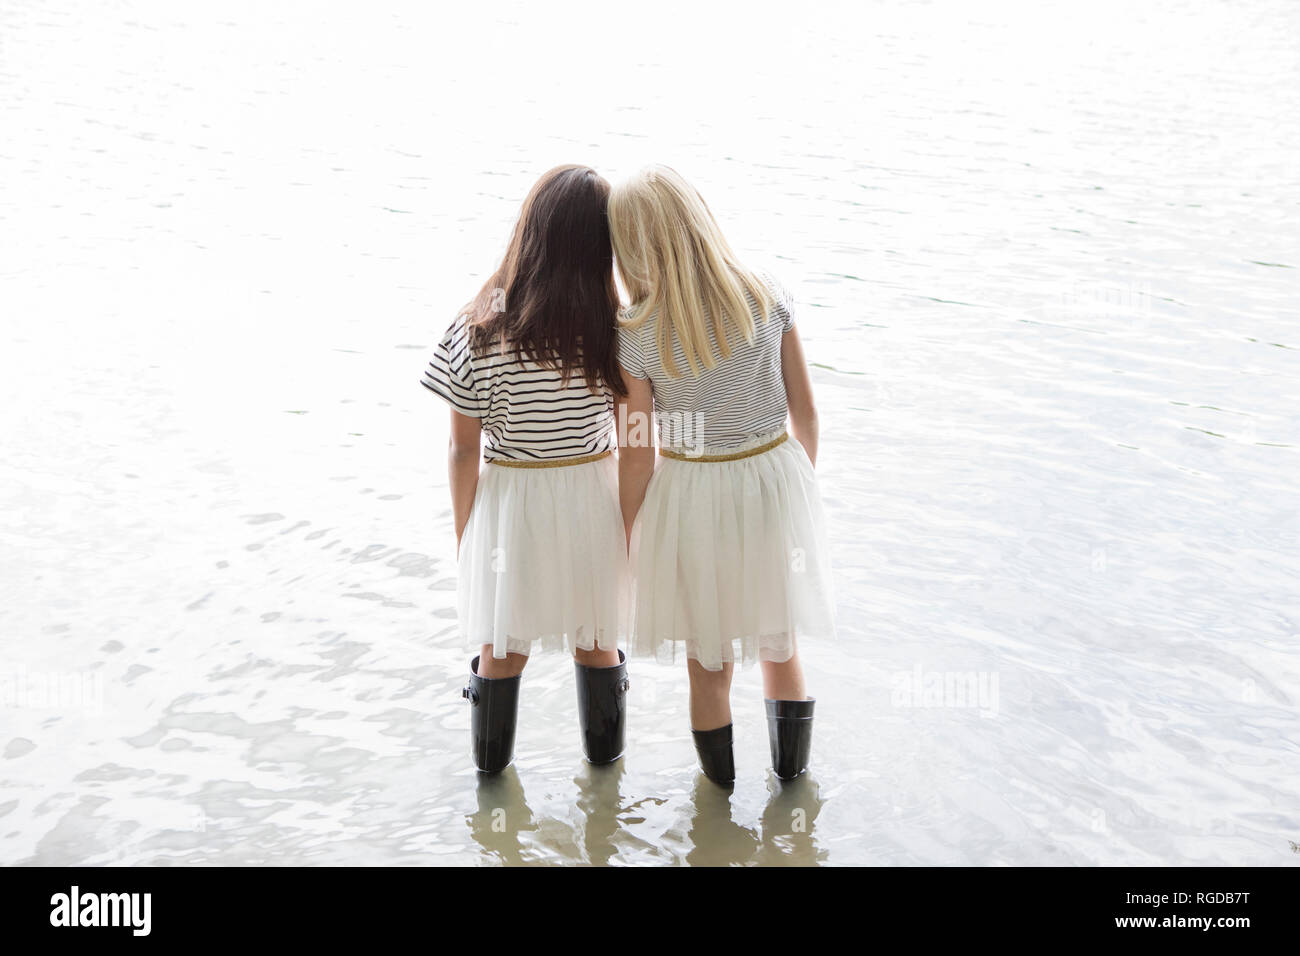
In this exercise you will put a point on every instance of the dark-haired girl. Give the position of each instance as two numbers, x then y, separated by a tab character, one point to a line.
529	371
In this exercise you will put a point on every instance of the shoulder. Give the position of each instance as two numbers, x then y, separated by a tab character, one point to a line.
454	348
780	293
457	340
632	327
457	331
782	300
633	347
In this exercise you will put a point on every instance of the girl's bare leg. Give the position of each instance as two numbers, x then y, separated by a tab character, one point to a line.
710	696
595	657
512	665
784	681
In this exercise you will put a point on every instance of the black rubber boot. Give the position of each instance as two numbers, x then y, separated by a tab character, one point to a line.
494	710
716	759
789	732
602	709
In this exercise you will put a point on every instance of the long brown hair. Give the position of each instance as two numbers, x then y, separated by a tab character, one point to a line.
553	299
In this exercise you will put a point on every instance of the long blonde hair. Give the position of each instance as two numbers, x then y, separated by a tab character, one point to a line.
674	261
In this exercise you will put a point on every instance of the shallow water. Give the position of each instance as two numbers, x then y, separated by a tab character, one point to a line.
1046	261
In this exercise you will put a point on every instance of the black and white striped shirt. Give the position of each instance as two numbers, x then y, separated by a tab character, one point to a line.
740	398
527	414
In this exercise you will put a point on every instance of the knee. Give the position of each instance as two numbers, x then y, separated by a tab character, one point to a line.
710	682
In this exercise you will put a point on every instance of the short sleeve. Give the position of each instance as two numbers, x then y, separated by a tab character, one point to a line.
631	353
450	373
784	301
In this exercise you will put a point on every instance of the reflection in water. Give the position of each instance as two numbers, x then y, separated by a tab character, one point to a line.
511	833
715	838
503	814
789	823
785	836
599	799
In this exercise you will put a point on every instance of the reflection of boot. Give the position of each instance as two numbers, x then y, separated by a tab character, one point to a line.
602	709
494	709
716	759
789	733
715	838
503	814
788	824
599	796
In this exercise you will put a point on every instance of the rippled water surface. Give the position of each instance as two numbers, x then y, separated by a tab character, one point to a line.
1047	263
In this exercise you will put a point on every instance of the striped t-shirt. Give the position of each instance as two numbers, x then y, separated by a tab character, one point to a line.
739	399
527	414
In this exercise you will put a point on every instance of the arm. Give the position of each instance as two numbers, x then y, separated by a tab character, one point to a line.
462	467
799	393
636	452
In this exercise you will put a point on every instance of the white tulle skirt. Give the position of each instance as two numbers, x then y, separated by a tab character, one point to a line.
543	560
730	559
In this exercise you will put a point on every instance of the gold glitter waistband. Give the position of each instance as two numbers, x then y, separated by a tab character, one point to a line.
734	456
554	462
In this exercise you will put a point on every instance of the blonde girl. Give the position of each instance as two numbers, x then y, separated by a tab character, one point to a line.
725	524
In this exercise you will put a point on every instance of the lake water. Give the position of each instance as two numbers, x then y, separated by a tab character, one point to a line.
1046	258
